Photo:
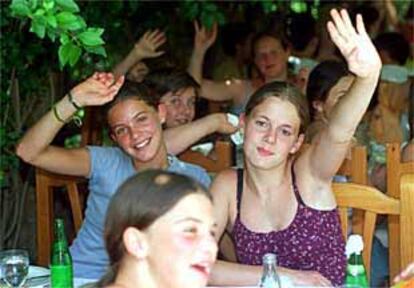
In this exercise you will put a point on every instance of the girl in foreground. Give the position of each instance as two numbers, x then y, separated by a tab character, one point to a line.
159	232
283	203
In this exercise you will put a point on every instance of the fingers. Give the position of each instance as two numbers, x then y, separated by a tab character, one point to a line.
349	28
196	26
360	26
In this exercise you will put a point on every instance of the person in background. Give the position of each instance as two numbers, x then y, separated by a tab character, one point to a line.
270	53
283	203
159	232
134	118
328	82
146	47
178	91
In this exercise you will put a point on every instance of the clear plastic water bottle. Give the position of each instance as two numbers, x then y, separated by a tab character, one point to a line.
270	278
356	275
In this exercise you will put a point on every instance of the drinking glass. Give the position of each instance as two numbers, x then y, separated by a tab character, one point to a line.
14	266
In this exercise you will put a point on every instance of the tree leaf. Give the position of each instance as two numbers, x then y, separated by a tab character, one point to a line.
64	38
69	21
19	8
74	54
51	20
64	51
68	5
38	28
91	38
99	50
51	34
48	4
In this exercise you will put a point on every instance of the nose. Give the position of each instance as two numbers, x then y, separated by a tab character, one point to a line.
270	136
209	246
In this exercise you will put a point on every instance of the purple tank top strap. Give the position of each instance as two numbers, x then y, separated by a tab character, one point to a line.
239	189
295	187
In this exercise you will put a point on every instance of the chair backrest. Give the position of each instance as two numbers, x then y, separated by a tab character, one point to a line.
223	157
395	170
46	182
356	168
373	202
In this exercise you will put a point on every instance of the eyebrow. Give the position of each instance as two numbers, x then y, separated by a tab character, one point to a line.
136	115
192	219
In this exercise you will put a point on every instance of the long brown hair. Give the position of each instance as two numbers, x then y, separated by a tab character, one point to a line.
139	202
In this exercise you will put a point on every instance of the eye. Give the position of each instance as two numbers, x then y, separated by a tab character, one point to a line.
119	131
190	230
286	132
175	101
141	118
261	123
191	102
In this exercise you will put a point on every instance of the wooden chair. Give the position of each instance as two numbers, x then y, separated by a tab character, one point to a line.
46	182
395	170
373	202
223	157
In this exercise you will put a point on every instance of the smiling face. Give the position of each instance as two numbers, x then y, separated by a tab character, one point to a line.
271	133
136	128
180	107
182	247
271	58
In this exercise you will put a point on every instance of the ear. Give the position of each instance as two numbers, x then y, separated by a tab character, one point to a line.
297	144
162	112
136	243
112	136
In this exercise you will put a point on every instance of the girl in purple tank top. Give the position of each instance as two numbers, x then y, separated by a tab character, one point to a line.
283	203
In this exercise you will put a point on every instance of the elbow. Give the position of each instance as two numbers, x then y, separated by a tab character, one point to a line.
23	152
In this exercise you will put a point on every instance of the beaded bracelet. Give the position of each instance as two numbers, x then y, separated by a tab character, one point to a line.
73	101
57	116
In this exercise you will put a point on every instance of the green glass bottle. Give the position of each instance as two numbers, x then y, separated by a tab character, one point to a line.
356	275
61	260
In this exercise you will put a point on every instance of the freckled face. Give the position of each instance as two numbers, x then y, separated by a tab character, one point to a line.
271	58
136	128
180	107
182	245
271	133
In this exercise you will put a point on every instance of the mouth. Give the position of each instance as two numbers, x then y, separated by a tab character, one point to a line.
140	145
202	268
264	152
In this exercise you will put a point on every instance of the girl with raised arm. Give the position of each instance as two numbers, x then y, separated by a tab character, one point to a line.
282	202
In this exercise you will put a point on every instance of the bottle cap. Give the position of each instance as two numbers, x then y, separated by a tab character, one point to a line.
355	244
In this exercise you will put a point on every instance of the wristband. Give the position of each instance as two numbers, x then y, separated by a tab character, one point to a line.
57	116
73	101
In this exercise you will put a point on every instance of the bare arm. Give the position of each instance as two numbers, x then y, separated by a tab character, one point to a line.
227	273
330	146
35	147
145	48
180	138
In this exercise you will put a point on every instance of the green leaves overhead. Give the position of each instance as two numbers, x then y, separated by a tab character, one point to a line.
60	19
207	12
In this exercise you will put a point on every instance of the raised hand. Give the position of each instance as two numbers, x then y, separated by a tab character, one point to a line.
356	46
147	45
203	38
97	90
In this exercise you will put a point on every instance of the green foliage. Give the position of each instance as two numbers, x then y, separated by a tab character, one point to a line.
60	19
208	12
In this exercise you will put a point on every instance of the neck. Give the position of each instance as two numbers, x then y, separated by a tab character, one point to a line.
282	77
160	161
261	181
135	274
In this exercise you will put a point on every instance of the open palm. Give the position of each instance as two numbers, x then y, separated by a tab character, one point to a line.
356	46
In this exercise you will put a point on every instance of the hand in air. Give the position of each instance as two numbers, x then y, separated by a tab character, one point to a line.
97	90
203	38
147	45
356	46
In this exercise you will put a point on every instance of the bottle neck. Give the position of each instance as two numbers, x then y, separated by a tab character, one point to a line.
355	259
269	268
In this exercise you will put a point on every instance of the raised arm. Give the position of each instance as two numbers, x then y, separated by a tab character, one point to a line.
212	90
330	146
35	147
146	47
178	139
